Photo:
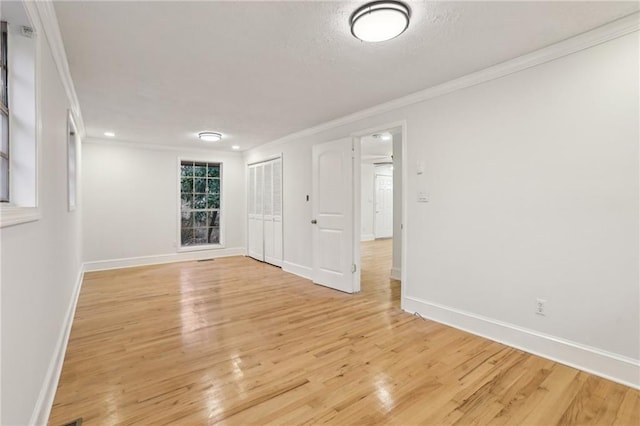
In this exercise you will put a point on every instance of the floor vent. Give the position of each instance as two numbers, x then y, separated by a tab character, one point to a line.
205	260
76	422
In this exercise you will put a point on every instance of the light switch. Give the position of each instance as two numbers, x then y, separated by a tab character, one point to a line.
419	167
423	197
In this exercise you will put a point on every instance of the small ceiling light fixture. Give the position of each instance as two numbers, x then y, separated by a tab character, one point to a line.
109	134
235	147
380	21
209	136
382	136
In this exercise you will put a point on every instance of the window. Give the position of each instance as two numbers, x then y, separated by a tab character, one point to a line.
4	117
200	186
19	44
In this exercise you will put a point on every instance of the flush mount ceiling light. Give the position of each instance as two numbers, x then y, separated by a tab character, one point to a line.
109	134
380	20
209	136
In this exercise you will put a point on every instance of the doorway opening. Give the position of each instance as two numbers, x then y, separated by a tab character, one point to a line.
381	213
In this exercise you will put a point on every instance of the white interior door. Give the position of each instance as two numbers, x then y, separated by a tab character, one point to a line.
273	212
256	221
384	206
333	221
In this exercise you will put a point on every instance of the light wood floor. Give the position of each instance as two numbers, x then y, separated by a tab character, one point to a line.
235	341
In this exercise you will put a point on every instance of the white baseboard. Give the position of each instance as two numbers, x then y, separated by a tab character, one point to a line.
396	274
367	237
273	261
42	409
102	265
301	271
605	364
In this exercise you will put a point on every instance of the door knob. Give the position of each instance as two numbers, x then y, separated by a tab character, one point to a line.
313	221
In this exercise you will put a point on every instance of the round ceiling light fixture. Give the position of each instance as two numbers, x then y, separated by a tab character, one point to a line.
380	21
209	136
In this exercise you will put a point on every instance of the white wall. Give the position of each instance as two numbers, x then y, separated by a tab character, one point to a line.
131	198
533	183
41	263
367	207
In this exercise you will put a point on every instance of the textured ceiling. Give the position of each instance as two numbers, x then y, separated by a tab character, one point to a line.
157	72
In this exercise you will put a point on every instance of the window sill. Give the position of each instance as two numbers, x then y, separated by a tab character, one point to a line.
200	248
15	215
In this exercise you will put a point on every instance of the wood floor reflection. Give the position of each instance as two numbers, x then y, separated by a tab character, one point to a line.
236	341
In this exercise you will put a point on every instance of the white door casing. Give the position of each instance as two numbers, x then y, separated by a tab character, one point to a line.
333	209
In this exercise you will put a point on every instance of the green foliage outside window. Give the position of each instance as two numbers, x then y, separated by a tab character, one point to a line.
200	203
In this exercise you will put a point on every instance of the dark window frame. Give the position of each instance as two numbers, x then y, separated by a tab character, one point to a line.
200	203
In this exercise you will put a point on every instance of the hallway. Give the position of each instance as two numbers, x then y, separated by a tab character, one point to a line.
376	264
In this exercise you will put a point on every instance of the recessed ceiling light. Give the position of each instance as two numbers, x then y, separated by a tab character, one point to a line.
380	20
236	147
109	134
209	136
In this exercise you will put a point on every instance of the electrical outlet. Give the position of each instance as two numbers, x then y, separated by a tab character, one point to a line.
541	307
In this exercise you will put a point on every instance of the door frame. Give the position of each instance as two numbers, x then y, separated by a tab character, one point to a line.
357	194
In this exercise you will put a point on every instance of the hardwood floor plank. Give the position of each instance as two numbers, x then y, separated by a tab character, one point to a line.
235	341
629	409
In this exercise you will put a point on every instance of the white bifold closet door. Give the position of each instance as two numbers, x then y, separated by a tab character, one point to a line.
265	211
255	228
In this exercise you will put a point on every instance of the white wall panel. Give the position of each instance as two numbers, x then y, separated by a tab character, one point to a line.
41	265
131	200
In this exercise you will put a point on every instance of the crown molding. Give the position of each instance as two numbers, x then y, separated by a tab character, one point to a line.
43	16
599	35
158	147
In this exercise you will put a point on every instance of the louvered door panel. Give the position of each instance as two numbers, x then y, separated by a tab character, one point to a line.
255	225
276	257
